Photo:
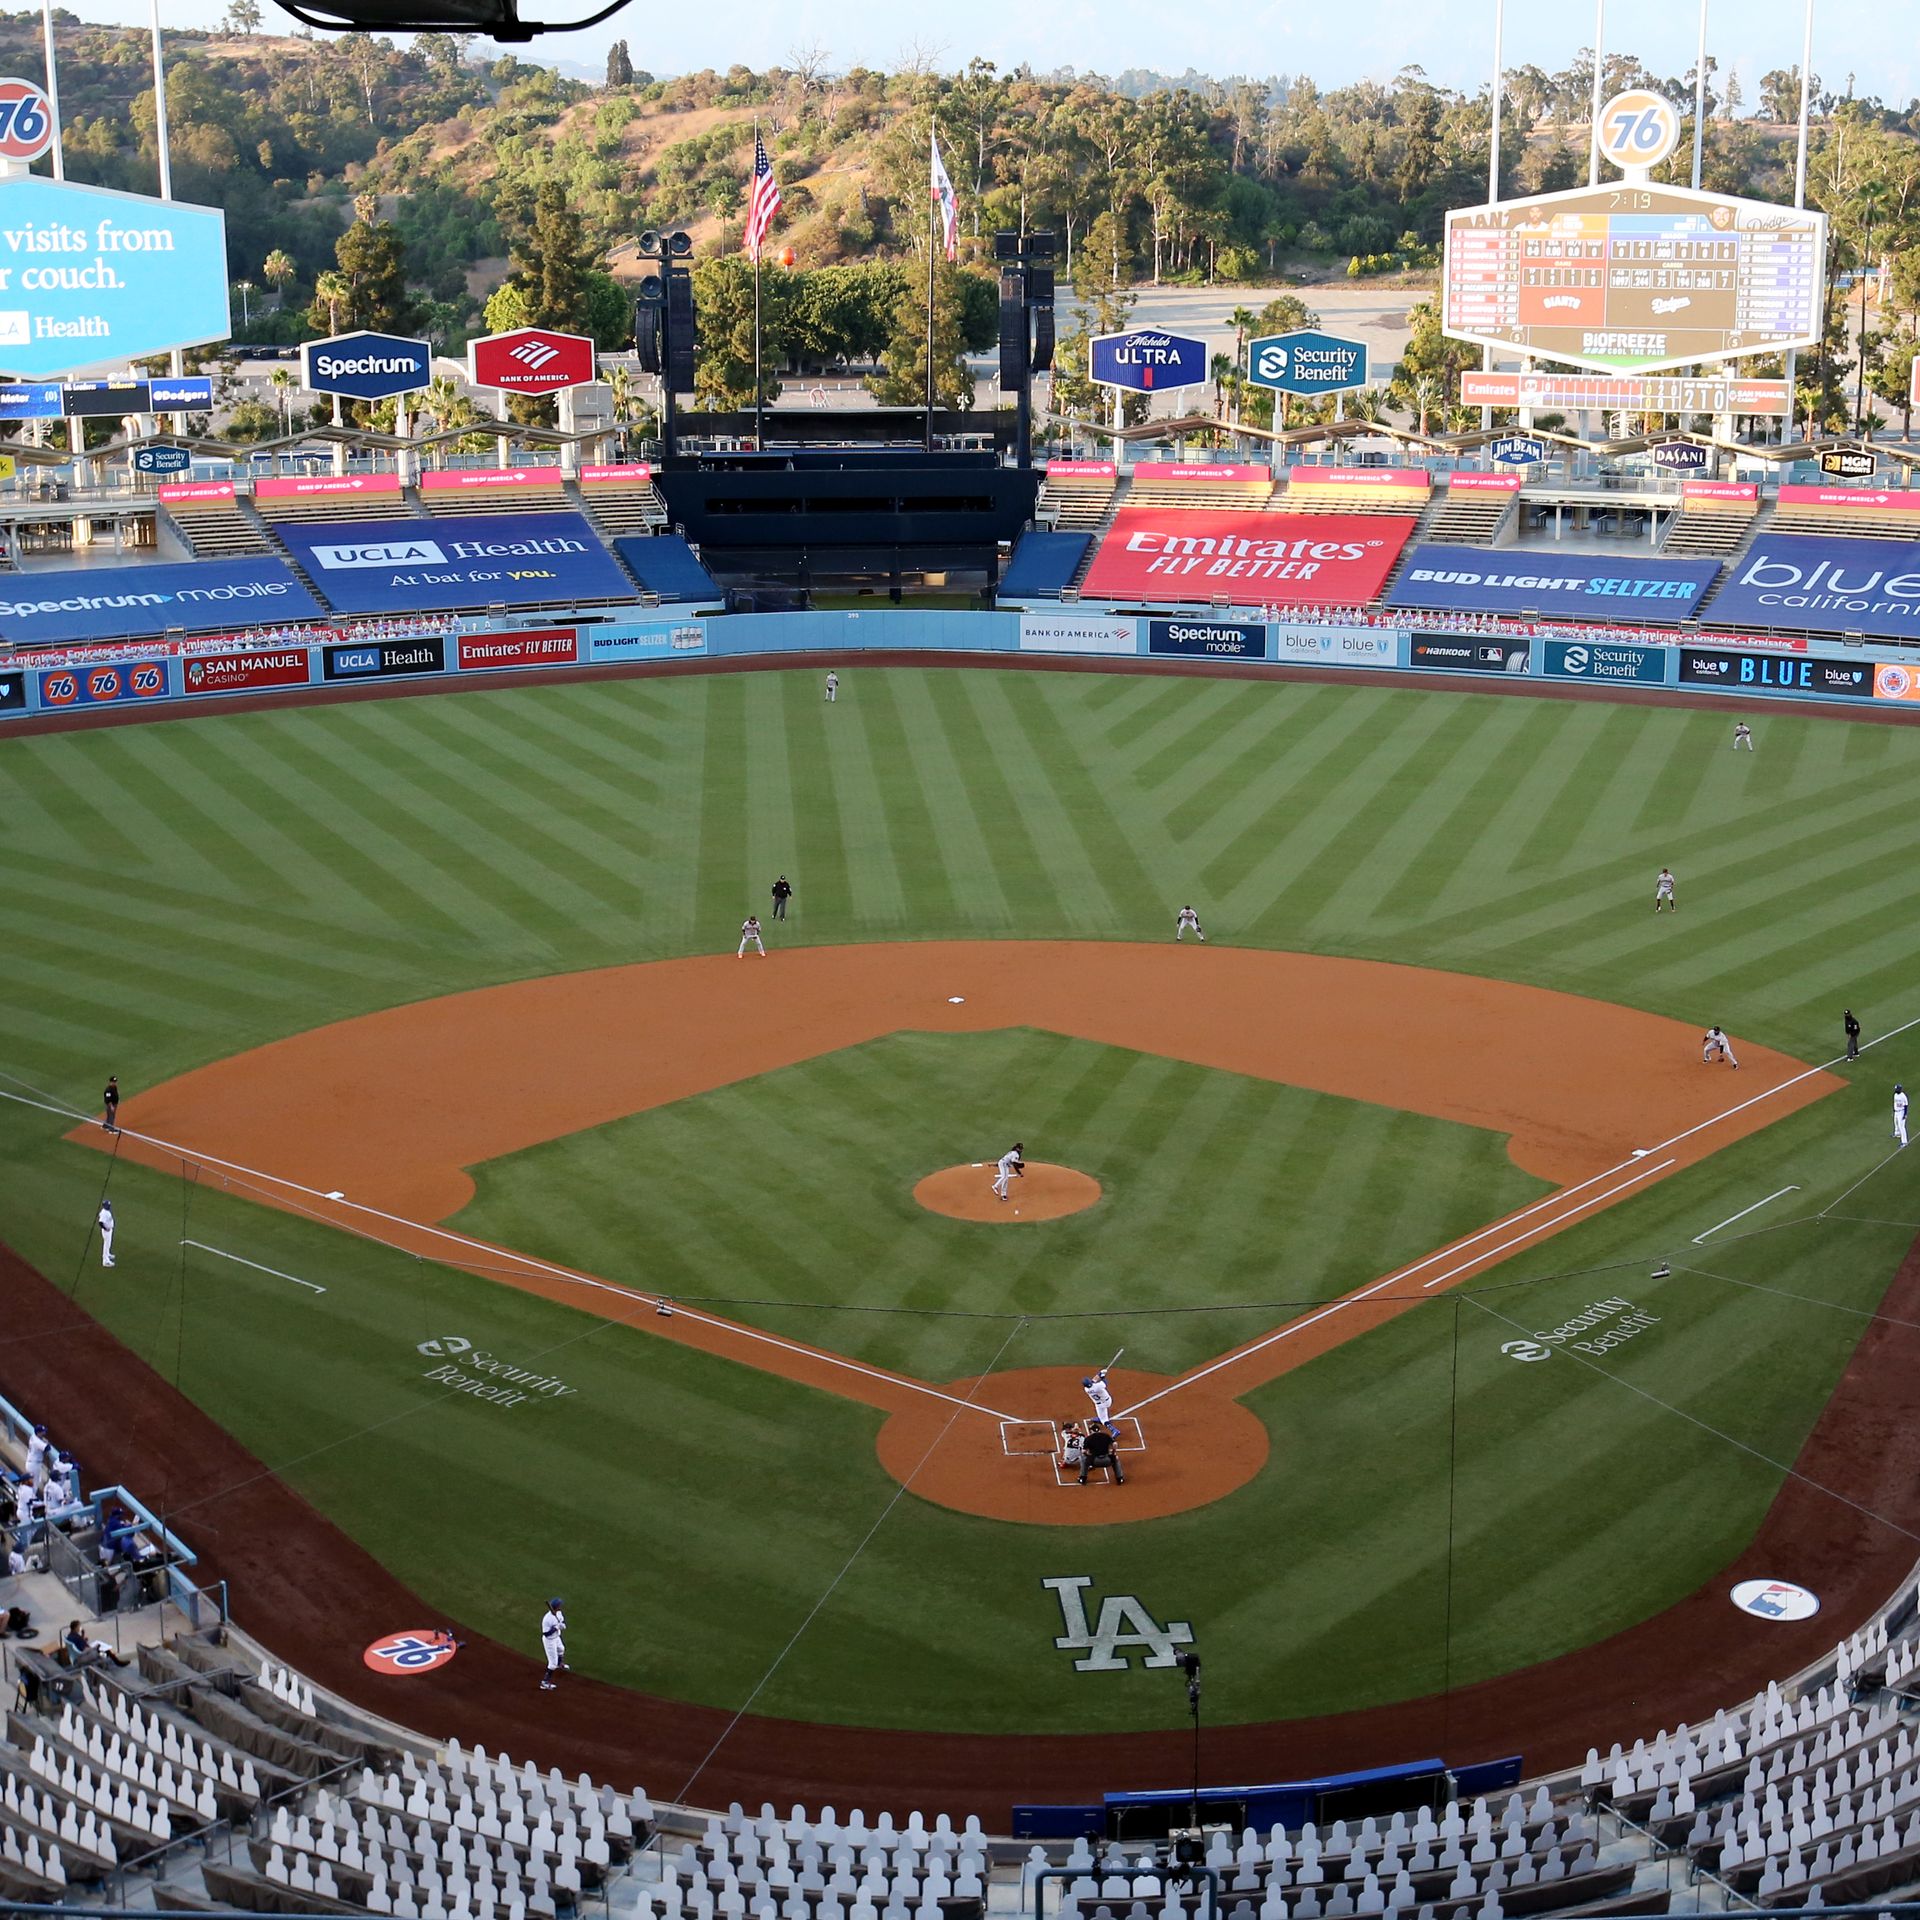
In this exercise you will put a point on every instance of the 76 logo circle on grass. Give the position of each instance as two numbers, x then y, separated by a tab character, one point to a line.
415	1651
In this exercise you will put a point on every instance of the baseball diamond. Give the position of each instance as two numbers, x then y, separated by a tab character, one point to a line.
484	1227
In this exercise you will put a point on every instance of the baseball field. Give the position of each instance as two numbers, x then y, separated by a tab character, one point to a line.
1473	1333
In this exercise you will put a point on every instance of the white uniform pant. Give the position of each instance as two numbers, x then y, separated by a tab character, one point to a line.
106	1245
753	939
1181	926
1721	1048
1102	1401
1900	1125
556	1653
1002	1179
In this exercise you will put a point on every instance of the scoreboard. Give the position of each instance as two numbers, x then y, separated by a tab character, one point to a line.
1627	278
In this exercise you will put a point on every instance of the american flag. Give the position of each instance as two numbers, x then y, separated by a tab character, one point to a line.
764	201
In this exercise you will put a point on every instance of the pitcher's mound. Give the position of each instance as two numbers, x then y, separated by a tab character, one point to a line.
1047	1193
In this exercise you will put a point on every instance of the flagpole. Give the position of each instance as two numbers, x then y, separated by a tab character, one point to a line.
932	202
759	414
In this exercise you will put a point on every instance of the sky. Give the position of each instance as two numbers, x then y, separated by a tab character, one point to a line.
1335	44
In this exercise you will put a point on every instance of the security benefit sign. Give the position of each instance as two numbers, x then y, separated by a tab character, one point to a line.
1307	362
1249	559
109	603
504	559
1814	584
1209	639
1459	580
88	276
1605	660
1769	673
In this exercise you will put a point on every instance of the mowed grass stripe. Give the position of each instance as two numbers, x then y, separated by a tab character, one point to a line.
1229	780
69	777
846	756
959	846
907	805
1560	820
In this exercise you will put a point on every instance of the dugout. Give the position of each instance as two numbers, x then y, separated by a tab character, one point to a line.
793	518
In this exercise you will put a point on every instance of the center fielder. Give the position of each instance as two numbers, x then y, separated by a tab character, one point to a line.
1010	1166
1663	892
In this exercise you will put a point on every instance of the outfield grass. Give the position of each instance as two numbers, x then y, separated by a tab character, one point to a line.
177	892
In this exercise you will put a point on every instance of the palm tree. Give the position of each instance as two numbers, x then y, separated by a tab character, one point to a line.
1367	403
281	380
1426	393
277	269
332	291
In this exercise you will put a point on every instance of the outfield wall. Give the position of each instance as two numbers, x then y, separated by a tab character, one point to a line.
49	682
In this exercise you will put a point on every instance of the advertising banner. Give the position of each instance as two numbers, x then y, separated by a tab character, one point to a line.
480	479
106	603
632	471
1680	456
1825	585
1606	660
1208	638
1484	483
1408	480
1307	361
245	672
1850	463
1252	558
32	400
1854	499
639	643
1144	361
503	559
383	659
1337	646
1457	579
533	647
100	686
1157	471
1633	393
13	693
532	360
1083	469
1892	682
1076	633
1467	653
1518	450
1768	673
366	366
1719	490
350	486
161	459
92	276
196	490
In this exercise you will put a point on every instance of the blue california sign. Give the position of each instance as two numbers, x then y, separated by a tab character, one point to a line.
1144	361
89	276
1307	362
366	366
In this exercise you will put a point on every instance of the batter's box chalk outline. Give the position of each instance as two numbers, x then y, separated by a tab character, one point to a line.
1018	1438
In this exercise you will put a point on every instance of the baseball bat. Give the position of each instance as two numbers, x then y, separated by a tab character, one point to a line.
1114	1362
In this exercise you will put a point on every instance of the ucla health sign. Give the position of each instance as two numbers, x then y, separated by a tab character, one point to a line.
1460	580
1144	361
366	366
496	559
88	275
1307	362
1812	584
108	603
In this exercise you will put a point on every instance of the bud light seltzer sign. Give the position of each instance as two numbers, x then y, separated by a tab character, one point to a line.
1144	361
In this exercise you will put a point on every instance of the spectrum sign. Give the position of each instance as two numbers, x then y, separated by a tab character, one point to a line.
366	366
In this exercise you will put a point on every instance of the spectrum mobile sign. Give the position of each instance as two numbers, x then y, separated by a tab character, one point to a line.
366	366
88	275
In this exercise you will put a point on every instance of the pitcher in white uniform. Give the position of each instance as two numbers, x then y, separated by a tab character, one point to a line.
1010	1166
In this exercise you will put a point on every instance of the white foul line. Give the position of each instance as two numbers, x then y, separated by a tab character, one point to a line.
1742	1214
254	1264
523	1259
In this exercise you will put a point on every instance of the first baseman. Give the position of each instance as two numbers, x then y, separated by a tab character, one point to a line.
1099	1393
1663	891
1714	1044
1010	1166
1188	918
750	930
1900	1113
553	1642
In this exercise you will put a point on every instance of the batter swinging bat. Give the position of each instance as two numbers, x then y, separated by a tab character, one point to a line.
1111	1364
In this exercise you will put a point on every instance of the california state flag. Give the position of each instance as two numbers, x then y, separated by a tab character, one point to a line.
942	189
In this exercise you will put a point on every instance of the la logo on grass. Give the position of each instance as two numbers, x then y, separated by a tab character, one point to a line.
1123	1622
